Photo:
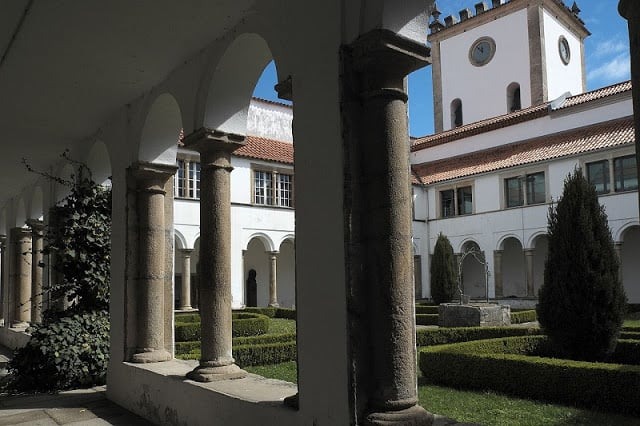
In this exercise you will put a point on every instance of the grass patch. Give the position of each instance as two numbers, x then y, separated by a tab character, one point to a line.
281	326
486	408
631	323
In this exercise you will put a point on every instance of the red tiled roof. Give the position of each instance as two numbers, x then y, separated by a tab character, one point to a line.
520	116
266	149
585	139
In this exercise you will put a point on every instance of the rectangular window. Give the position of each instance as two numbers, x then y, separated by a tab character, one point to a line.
465	200
625	173
598	175
272	188
447	204
535	188
514	195
188	179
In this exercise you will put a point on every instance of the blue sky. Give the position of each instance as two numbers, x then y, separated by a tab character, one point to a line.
607	59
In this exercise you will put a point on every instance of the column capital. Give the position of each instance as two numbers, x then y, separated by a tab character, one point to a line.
3	241
273	253
205	140
36	225
186	251
20	232
384	51
497	252
529	251
152	176
629	9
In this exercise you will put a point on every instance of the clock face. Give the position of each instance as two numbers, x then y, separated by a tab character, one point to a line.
482	51
563	50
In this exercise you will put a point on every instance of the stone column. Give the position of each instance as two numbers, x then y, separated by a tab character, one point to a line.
37	271
215	147
273	271
630	10
21	276
386	378
528	256
150	181
185	301
497	272
4	294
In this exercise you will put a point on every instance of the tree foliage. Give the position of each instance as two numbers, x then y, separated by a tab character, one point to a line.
582	301
443	271
71	346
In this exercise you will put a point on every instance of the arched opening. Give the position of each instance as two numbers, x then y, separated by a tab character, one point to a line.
99	163
629	263
161	130
286	276
256	258
514	279
541	249
514	101
456	113
473	271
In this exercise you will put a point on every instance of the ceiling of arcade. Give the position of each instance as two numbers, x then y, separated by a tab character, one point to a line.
69	65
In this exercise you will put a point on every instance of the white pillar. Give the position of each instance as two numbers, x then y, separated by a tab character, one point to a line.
273	273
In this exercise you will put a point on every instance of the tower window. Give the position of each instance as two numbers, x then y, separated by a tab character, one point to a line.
514	103
456	113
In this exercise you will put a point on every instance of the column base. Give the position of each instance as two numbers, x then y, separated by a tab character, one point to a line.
19	324
413	416
186	308
213	374
158	355
274	305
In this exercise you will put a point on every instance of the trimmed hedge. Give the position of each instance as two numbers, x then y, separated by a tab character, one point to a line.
427	319
243	324
183	348
519	317
426	309
499	365
182	318
268	353
286	313
445	335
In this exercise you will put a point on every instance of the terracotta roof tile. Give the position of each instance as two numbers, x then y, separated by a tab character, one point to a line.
266	149
520	116
585	139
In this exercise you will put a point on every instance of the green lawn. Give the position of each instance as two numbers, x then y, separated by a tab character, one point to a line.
632	323
483	407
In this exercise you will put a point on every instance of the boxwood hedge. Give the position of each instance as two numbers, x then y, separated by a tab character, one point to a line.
504	365
427	319
519	317
444	335
187	327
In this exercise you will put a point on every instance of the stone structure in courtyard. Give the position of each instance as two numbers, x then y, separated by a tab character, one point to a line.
473	315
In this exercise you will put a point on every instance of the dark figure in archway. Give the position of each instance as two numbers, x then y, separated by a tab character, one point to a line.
252	289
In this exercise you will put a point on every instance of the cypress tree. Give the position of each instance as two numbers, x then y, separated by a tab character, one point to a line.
443	271
582	301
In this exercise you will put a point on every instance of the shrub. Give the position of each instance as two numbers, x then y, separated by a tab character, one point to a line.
246	324
443	272
269	353
426	309
68	353
268	311
187	332
286	313
582	302
186	318
519	317
426	319
445	335
500	365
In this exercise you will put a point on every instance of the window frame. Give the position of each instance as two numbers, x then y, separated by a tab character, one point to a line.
279	194
455	191
610	159
186	183
617	173
523	177
606	162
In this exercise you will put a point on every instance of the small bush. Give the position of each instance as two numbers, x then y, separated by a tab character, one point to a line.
501	365
187	332
445	335
186	318
269	353
68	353
247	324
427	319
444	271
268	311
286	313
267	338
426	309
519	317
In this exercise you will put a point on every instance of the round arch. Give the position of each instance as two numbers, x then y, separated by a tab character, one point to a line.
264	238
181	241
161	130
500	245
535	238
290	238
468	242
99	163
620	234
231	84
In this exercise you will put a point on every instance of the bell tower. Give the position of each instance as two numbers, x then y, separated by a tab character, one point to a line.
501	58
